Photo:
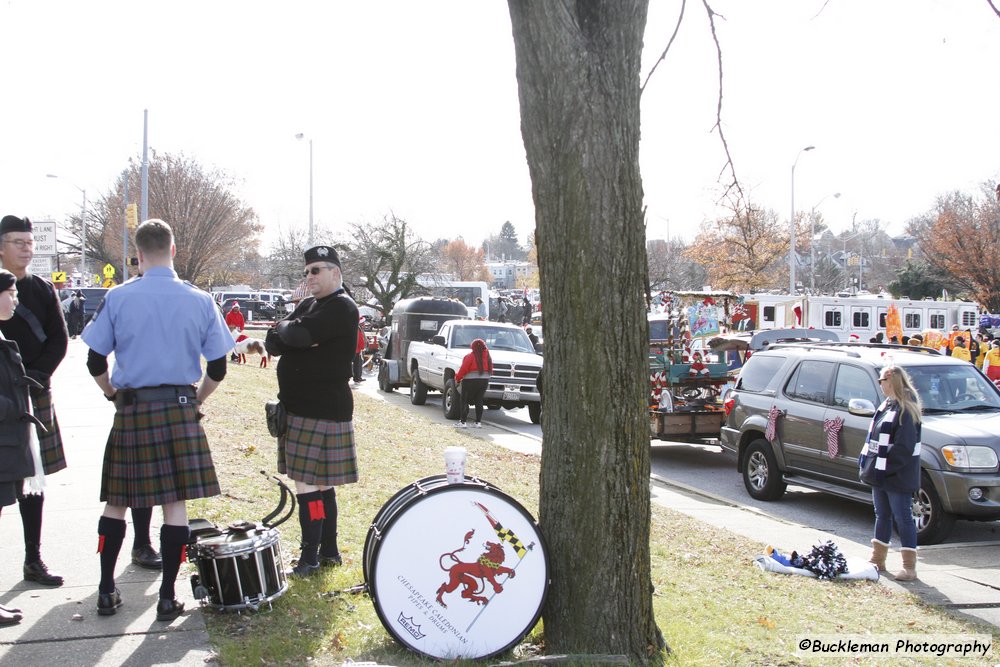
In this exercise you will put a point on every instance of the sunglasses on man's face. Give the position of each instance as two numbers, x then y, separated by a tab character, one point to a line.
314	270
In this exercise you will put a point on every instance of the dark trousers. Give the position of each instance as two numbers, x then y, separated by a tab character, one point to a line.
473	392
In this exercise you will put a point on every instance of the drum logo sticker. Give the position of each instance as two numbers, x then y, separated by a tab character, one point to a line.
410	626
473	576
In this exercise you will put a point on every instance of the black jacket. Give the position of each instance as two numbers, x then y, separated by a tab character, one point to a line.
15	451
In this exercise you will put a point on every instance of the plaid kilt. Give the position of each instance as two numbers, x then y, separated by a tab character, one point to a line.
53	457
318	451
157	453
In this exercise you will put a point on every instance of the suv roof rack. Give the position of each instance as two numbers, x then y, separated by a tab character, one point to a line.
853	352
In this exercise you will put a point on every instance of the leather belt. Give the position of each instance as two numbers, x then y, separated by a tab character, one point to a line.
168	393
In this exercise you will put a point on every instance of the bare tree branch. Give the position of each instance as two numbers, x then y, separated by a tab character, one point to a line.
663	56
735	184
994	6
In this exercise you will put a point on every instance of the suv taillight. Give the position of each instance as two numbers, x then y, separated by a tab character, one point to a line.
728	405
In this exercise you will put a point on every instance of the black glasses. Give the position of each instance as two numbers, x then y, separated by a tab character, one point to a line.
21	243
314	270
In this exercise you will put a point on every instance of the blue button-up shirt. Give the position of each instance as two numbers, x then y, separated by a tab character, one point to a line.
159	328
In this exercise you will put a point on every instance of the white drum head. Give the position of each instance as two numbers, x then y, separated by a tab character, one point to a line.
435	566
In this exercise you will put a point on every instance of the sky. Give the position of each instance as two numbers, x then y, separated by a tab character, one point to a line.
412	107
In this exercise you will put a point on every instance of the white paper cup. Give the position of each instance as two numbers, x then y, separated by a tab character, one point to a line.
454	464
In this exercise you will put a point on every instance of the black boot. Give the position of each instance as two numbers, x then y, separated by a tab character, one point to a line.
111	534
143	553
311	515
31	521
329	554
173	539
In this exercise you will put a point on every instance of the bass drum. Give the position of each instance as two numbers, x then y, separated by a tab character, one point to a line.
456	571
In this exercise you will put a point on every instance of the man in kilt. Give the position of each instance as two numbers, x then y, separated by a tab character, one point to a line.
159	328
39	330
316	343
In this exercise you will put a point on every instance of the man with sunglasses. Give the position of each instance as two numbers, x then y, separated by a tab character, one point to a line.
316	345
40	331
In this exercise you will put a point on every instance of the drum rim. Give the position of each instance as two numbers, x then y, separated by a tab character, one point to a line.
389	627
269	537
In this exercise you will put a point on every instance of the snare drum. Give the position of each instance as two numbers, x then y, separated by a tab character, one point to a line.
240	568
455	570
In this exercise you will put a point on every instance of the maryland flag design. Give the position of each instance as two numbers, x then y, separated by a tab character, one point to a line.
504	534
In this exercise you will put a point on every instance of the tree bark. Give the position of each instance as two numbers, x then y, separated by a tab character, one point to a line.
578	83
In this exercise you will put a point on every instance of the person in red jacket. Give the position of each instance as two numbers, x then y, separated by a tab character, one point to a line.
234	320
473	378
359	353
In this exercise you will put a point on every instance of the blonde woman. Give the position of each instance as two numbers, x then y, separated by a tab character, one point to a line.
893	445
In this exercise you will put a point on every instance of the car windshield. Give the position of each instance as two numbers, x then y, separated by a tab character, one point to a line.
512	339
953	388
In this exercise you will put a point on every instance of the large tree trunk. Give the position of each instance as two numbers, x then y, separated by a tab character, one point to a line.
578	83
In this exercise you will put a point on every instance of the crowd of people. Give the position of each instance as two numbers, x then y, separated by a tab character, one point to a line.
981	348
157	452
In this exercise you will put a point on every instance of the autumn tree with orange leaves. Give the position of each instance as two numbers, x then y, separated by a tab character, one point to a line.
746	250
961	239
463	261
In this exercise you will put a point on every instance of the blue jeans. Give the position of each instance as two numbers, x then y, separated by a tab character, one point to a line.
894	506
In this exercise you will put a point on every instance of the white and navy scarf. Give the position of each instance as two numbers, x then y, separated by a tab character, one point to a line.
880	444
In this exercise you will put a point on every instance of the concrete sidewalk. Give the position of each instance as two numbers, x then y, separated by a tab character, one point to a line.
961	577
61	625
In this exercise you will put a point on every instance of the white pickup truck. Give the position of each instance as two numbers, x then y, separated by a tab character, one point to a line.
433	364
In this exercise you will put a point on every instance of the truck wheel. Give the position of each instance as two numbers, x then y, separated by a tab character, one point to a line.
383	378
418	390
761	476
933	523
450	400
535	412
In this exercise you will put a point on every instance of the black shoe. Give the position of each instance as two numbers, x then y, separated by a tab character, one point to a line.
108	603
146	556
40	574
9	610
303	569
9	617
330	561
168	610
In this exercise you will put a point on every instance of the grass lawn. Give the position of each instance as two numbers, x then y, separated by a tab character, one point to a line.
712	604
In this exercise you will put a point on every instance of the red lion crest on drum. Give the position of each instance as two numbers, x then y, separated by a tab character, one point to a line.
473	576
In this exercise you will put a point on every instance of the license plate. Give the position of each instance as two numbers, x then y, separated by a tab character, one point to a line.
511	392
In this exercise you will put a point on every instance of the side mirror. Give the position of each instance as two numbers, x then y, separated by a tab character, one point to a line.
437	340
539	348
861	407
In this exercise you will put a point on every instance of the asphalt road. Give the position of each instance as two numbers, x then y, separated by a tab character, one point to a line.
706	469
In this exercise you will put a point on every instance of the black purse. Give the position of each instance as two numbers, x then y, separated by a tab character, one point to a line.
866	472
277	418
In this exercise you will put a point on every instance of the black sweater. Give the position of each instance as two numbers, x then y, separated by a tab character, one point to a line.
40	358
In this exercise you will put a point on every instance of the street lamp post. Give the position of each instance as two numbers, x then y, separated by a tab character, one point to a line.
302	136
791	222
812	241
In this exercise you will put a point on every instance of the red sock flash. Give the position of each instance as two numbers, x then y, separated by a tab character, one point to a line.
100	543
316	510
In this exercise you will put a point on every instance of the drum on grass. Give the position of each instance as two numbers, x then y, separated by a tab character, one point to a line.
455	570
238	568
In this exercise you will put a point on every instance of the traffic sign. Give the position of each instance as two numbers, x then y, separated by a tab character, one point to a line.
109	271
58	276
109	282
44	235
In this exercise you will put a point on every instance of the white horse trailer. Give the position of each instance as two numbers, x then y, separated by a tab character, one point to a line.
861	315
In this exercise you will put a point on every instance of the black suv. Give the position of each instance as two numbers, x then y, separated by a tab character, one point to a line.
812	384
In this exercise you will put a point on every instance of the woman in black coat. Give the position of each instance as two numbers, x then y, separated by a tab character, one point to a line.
16	426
